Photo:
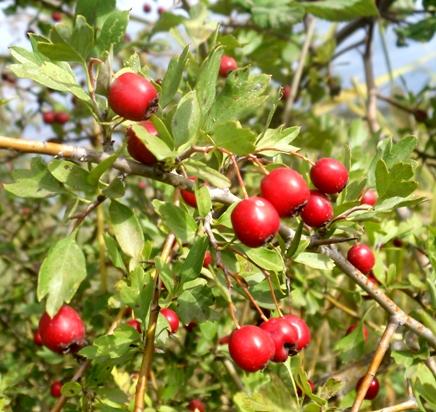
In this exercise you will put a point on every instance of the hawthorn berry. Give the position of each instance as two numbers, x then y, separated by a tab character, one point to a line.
37	340
251	347
354	326
56	16
227	65
55	389
62	117
286	92
329	175
146	7
48	117
132	96
318	210
372	279
208	259
188	195
286	190
312	388
135	324
373	389
283	334
161	10
172	318
303	331
224	340
369	197
137	148
361	257
255	221
196	405
64	332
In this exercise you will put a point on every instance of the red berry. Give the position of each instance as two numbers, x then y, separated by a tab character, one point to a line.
55	389
135	324
373	389
318	210
142	185
354	326
208	259
361	257
227	65
191	326
251	347
286	92
65	331
56	16
286	190
146	7
371	278
329	175
196	406
188	195
62	117
284	335
312	388
48	117
255	221
172	319
161	10
369	197
397	242
303	331
132	96
37	340
224	340
137	148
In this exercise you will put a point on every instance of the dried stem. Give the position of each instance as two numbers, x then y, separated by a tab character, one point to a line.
404	406
382	347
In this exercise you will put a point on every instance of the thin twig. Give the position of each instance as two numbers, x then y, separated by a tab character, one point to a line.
404	406
333	240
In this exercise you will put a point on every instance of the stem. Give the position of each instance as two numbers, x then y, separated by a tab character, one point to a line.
273	293
382	347
238	175
404	406
244	287
101	249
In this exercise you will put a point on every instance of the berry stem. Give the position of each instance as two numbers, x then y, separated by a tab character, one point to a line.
382	347
244	287
259	164
273	293
238	174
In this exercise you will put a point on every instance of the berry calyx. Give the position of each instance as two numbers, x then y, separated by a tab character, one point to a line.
135	324
132	96
227	65
373	389
62	117
361	257
37	340
255	221
251	347
196	405
208	259
56	16
136	148
284	335
354	326
146	7
64	332
318	210
48	117
303	331
172	318
329	175
369	197
286	190
55	389
188	195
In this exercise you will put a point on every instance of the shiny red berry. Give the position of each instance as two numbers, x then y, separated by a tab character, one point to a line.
65	331
37	340
251	347
56	16
318	210
354	326
329	175
196	405
312	388
361	257
369	197
227	65
188	195
303	331
286	190
255	221
132	96
284	335
48	117
55	389
172	318
137	148
373	389
62	117
146	7
208	259
135	324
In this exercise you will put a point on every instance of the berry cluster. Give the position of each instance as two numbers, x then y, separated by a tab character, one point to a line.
51	117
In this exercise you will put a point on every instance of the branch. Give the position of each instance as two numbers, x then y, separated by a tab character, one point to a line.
404	406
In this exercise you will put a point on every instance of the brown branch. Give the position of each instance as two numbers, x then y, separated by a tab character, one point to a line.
314	242
404	406
80	217
379	354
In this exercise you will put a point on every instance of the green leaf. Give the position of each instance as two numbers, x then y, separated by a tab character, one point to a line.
127	229
82	39
95	11
178	220
113	30
186	121
61	274
113	252
167	21
71	175
206	173
315	261
204	203
269	259
153	143
193	263
395	181
70	389
162	131
35	183
172	78
233	137
206	82
422	31
278	139
97	172
339	10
